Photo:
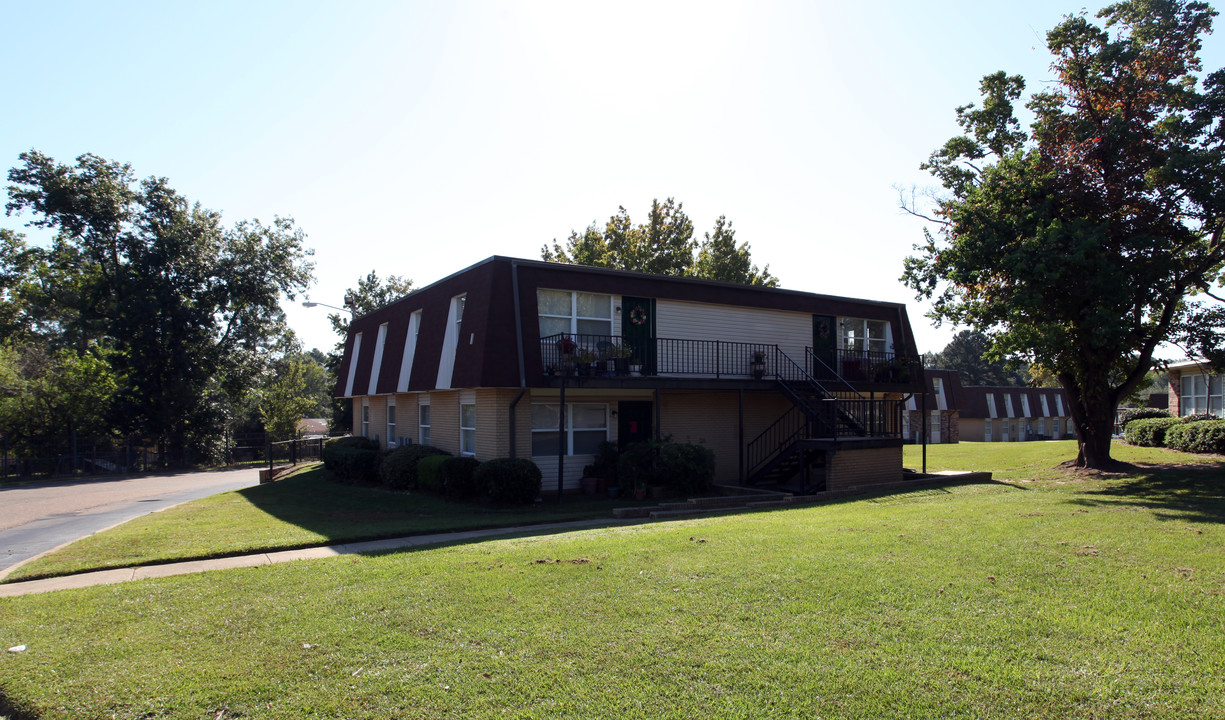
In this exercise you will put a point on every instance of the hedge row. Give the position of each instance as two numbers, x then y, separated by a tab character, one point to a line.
685	468
1191	433
431	469
1148	432
1204	436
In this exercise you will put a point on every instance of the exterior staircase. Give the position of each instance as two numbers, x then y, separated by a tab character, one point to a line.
786	450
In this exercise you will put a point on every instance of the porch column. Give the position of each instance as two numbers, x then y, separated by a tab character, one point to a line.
740	435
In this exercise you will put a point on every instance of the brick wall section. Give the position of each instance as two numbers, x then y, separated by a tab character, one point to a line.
851	468
1175	388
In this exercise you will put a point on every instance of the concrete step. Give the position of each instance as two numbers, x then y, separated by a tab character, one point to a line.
624	513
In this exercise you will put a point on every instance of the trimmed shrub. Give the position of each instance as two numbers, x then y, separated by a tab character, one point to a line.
429	475
399	468
605	465
1201	417
636	466
509	480
1204	436
686	468
458	476
1126	415
1149	432
352	462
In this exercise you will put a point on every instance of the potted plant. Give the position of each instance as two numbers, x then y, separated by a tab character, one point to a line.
565	349
616	355
586	362
757	364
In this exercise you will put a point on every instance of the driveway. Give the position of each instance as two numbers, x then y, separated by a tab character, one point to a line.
37	518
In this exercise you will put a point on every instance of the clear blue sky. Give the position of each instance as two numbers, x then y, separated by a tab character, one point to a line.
417	138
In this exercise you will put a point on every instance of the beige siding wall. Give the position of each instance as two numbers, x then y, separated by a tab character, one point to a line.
972	429
791	331
712	419
444	420
850	468
378	419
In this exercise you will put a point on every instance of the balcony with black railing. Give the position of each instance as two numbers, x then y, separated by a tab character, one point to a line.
579	355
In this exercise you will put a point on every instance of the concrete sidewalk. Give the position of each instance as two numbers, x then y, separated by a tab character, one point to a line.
110	577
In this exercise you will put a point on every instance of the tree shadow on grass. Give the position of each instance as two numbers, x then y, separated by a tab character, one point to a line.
1189	493
14	710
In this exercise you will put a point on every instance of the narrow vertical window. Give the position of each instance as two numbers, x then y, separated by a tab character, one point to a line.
467	429
424	425
365	418
391	421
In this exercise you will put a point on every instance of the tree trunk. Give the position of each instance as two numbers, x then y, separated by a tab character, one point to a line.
1093	418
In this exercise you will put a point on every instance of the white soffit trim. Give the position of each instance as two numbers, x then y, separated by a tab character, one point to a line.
450	341
357	353
410	349
379	342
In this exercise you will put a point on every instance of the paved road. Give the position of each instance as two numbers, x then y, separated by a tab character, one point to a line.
37	518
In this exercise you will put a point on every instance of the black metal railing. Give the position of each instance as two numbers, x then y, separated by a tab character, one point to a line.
862	366
613	355
776	439
616	355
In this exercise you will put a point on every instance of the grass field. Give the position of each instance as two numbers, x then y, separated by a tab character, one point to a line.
1044	594
301	510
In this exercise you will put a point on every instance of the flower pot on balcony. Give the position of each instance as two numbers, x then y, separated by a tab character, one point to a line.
635	370
757	370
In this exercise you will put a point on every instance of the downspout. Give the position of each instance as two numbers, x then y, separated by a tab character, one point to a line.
514	288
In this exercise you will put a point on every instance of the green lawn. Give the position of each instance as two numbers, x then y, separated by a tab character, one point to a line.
1045	595
302	510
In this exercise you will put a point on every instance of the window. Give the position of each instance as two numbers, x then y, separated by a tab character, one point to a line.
991	406
467	429
365	418
575	313
461	302
424	425
1200	394
865	336
391	421
586	427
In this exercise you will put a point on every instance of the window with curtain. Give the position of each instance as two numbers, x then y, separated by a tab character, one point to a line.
586	426
574	313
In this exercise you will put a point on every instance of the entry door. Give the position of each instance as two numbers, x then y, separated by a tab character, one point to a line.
825	344
638	329
634	422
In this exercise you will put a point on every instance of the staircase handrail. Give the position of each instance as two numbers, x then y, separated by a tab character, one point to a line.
833	373
777	444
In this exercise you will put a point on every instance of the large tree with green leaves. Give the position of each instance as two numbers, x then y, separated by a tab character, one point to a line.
1081	244
664	245
184	307
969	354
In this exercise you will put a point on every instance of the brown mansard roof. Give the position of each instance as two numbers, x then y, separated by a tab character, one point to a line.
488	351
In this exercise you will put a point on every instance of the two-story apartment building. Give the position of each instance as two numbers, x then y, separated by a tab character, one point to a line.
522	358
1013	414
951	412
